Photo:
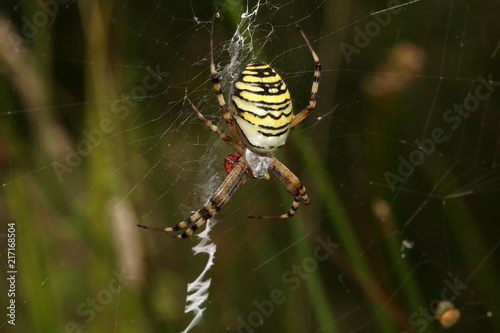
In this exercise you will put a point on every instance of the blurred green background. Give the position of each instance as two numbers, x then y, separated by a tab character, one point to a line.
95	137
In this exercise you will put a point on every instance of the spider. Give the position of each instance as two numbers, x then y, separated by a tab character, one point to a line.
260	119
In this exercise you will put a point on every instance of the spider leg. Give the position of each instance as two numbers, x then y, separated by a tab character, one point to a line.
314	89
218	90
294	186
214	204
214	128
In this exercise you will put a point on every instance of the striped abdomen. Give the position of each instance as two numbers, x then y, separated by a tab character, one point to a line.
261	107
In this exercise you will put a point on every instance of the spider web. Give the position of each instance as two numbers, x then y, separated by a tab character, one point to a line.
400	160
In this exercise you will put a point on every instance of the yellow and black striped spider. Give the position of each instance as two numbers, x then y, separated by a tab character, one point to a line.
260	119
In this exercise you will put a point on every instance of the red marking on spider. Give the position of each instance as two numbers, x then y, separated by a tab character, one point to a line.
231	160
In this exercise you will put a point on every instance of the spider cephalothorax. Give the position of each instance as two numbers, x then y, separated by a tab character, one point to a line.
260	119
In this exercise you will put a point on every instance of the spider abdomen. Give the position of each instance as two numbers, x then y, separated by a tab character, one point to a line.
261	107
